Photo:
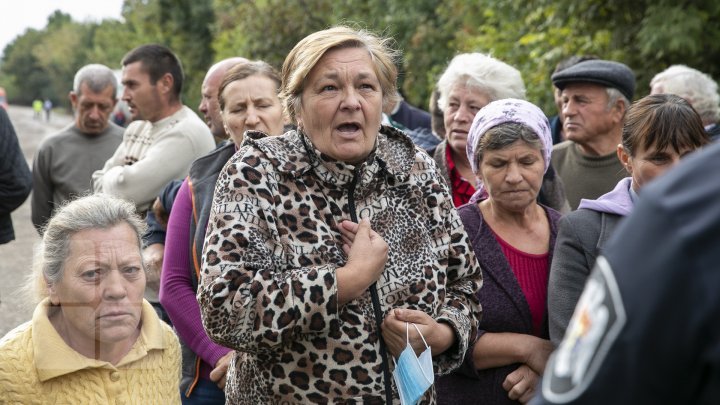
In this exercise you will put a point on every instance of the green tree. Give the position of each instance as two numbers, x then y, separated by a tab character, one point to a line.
186	27
61	52
26	79
532	36
268	30
111	40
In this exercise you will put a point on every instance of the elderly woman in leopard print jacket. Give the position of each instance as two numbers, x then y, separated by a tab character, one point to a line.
324	242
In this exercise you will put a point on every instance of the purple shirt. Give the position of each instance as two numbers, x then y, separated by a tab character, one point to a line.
176	289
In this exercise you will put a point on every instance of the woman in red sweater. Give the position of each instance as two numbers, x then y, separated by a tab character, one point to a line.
508	148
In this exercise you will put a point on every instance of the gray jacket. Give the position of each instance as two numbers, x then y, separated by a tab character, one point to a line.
581	236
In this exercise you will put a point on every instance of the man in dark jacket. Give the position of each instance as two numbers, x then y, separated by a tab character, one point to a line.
646	328
15	177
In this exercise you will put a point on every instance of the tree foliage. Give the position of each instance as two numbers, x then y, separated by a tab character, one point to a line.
533	36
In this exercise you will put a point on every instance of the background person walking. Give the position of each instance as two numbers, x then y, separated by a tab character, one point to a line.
47	106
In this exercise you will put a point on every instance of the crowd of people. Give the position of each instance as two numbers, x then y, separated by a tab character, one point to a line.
317	239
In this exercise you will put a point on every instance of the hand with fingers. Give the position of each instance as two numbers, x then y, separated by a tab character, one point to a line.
367	253
153	257
520	384
219	374
439	336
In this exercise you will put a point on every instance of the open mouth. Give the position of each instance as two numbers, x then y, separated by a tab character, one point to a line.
348	127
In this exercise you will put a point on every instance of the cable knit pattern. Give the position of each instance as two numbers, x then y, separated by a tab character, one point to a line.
151	155
37	367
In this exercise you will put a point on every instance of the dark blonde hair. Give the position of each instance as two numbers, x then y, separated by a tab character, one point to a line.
306	54
243	70
662	120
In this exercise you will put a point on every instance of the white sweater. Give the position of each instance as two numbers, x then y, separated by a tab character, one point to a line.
153	154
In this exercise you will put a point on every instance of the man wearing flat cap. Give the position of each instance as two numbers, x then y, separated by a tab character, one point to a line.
595	96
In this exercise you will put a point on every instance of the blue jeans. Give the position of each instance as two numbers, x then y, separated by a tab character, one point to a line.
206	392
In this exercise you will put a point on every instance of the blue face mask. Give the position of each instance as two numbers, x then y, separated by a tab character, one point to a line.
413	375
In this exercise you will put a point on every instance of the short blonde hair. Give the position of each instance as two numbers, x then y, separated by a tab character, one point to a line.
306	54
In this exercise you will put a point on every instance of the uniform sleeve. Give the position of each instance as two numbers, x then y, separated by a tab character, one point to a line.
461	308
168	158
568	272
645	329
249	300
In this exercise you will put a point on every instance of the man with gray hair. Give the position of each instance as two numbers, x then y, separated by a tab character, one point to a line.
698	88
64	162
595	95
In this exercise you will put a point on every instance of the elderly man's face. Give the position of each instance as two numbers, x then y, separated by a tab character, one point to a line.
585	112
100	294
92	109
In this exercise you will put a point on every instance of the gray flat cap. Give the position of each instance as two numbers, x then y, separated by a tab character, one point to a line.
603	72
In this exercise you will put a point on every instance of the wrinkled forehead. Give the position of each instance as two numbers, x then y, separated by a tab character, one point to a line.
117	242
584	89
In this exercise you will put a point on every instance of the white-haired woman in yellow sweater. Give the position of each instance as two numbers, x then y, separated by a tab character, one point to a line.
92	338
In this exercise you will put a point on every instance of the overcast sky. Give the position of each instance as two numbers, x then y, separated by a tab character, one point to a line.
16	16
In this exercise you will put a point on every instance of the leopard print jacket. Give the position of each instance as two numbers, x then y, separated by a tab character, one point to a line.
268	286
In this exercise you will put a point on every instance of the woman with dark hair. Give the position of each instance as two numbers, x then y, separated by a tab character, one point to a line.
659	130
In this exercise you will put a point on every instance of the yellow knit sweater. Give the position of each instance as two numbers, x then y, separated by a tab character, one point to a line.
38	367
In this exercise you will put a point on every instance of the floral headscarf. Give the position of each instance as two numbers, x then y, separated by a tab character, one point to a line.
500	112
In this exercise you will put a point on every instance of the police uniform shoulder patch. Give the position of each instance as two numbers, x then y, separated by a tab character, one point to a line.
595	324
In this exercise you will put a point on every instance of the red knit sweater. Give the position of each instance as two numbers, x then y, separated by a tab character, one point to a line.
531	272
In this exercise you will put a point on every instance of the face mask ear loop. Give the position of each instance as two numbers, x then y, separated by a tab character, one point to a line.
421	336
407	339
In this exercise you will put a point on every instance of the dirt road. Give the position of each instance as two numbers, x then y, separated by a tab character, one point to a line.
16	256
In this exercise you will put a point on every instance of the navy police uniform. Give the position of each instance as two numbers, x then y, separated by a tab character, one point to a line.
647	327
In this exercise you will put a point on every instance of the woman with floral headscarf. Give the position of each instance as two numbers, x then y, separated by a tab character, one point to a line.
508	147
